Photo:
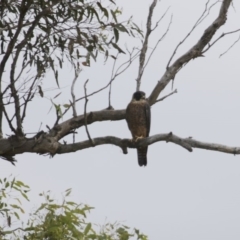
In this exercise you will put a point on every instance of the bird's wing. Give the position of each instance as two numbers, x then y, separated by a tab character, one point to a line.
128	115
148	117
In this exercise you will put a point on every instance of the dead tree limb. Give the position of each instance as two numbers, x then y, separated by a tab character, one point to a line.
85	113
77	72
145	44
45	144
194	52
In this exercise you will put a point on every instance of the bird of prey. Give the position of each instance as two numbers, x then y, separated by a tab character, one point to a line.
138	116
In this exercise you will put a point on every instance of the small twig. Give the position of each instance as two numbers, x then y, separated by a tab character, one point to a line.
156	25
161	99
112	75
58	117
85	113
145	45
194	52
40	127
30	96
10	159
189	33
230	46
117	73
155	47
9	121
221	36
208	12
77	72
109	96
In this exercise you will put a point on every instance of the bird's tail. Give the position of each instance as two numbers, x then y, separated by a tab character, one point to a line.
142	156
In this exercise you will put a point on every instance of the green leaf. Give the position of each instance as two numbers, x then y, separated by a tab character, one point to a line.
56	77
106	55
71	203
3	193
68	192
25	196
104	10
117	47
60	62
16	215
6	232
114	16
71	46
66	105
20	184
15	206
12	183
87	229
116	33
121	28
43	205
18	200
40	91
57	95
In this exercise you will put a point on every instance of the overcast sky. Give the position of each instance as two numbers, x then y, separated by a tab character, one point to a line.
179	195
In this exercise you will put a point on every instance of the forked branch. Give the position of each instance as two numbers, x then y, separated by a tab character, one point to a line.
46	144
186	143
145	44
194	52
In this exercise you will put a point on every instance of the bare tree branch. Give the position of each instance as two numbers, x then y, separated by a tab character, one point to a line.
13	67
77	72
160	39
8	53
9	121
145	44
122	68
207	11
161	18
186	143
112	77
161	99
48	142
132	56
43	144
14	38
30	96
85	113
194	52
221	36
200	19
61	130
230	46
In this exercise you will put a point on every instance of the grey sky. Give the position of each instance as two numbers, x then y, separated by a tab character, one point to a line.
179	195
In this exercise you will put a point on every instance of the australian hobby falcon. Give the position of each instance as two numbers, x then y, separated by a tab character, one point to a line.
138	116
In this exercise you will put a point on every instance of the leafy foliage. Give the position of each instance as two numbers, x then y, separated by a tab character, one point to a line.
38	35
11	194
53	221
46	31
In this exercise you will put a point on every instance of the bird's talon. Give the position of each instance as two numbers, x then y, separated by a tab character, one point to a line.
137	138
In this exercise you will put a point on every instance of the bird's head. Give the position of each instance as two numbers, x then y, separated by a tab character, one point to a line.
139	95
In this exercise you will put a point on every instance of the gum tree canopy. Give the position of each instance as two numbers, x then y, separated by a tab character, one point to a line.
37	36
